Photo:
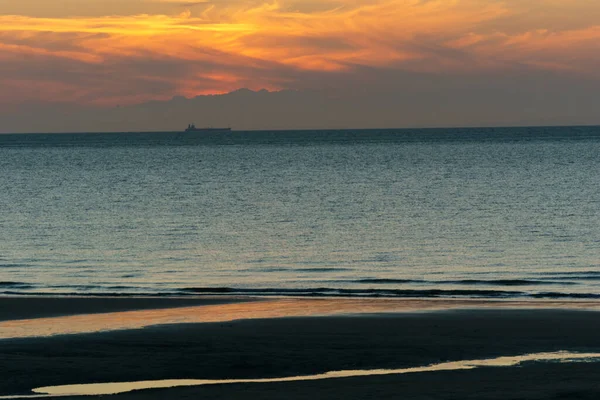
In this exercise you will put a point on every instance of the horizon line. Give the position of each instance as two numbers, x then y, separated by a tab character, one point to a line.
423	128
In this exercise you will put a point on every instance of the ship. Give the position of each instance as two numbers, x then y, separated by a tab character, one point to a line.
192	128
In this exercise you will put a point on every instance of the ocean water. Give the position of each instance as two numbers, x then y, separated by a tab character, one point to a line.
486	213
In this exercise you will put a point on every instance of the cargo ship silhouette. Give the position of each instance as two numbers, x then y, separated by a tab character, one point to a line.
192	128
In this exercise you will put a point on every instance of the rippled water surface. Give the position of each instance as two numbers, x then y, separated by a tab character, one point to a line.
458	212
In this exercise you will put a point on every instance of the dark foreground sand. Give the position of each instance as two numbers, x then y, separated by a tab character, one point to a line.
301	346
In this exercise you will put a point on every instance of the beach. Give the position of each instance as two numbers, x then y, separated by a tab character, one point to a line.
384	199
19	308
293	345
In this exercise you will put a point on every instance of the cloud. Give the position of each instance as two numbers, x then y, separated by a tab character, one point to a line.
218	46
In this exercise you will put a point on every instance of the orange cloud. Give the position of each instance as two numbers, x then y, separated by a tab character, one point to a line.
215	47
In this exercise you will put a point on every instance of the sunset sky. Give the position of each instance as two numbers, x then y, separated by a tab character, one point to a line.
108	52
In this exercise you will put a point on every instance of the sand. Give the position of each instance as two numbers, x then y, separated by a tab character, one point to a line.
306	345
17	308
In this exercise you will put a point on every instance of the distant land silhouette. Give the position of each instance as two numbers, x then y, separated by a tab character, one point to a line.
244	109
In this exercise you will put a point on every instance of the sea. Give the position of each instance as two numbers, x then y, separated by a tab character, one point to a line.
500	213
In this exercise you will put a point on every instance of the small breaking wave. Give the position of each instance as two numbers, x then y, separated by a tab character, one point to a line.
336	292
560	295
371	291
391	293
574	277
571	273
384	281
490	282
15	285
508	282
322	269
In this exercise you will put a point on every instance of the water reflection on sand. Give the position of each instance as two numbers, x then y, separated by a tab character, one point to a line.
272	308
97	389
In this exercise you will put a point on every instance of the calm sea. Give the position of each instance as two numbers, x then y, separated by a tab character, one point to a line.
498	213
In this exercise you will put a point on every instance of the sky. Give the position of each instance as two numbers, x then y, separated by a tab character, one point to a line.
100	54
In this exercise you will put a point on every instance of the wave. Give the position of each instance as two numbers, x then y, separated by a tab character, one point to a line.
312	292
508	282
22	288
494	282
90	294
297	270
13	265
567	273
336	292
388	281
322	269
398	293
575	277
560	295
16	285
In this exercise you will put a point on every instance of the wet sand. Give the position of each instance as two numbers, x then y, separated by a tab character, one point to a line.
533	382
106	314
18	308
277	347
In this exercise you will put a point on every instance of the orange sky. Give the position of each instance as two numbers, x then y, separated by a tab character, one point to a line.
127	51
